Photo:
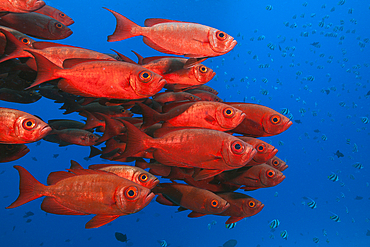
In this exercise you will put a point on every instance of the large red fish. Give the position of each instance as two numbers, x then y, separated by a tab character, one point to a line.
265	151
260	121
11	152
100	79
20	6
175	37
212	150
96	192
18	127
36	25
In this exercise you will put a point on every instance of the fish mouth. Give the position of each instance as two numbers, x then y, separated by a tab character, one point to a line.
280	179
45	131
283	167
154	183
288	124
148	198
23	151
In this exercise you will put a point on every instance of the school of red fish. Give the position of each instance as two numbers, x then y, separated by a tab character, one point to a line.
187	132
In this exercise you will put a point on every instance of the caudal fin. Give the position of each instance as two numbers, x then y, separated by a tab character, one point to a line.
123	28
29	188
45	69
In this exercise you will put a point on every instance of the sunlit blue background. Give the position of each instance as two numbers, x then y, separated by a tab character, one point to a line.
342	68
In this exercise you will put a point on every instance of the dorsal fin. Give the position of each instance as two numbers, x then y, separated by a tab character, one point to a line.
43	44
75	165
154	21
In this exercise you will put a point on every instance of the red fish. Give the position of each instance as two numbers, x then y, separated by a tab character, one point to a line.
75	136
18	127
55	14
212	150
36	25
201	114
100	79
260	121
20	6
175	37
168	97
189	197
24	39
277	163
11	152
241	206
95	192
265	151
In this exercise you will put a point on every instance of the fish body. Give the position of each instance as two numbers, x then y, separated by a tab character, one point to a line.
55	14
230	226
260	121
76	136
284	234
335	217
264	153
193	198
312	204
20	6
333	177
274	223
277	163
11	152
18	127
104	194
175	37
212	150
36	25
101	79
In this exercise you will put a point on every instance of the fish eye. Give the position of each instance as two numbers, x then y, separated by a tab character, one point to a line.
91	136
62	15
143	178
131	192
191	97
251	204
270	173
275	163
25	41
9	147
275	119
237	147
29	123
58	25
229	112
145	76
203	69
261	148
214	203
221	35
123	110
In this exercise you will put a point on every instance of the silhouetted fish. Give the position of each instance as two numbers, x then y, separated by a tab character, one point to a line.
339	154
121	237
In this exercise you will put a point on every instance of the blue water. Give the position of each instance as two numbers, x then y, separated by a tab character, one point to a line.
343	69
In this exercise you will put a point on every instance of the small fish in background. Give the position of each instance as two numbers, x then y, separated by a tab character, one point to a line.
358	165
213	222
55	156
269	7
355	148
28	214
121	237
316	131
298	121
230	226
285	111
312	204
162	243
335	217
368	233
359	198
348	141
347	211
281	143
333	177
365	120
316	240
338	154
324	137
230	243
274	223
324	232
284	234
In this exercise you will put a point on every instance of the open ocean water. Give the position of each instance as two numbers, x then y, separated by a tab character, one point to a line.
310	57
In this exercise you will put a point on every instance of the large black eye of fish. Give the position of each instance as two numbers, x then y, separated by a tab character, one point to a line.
237	147
261	148
58	25
143	178
229	112
221	35
29	123
25	41
275	163
251	204
270	173
62	15
275	119
145	76
131	192
9	147
203	69
214	203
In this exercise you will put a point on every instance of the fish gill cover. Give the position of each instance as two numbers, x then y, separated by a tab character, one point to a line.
272	64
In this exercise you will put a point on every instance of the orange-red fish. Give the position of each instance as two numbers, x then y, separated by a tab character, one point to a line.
20	6
18	127
260	121
56	14
265	151
11	152
95	192
189	197
101	79
241	206
277	163
168	97
36	25
175	37
213	150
